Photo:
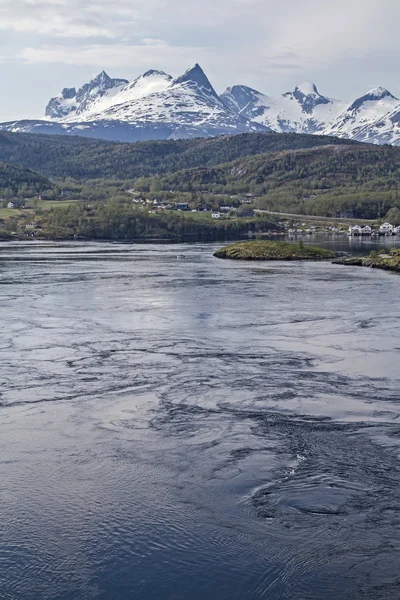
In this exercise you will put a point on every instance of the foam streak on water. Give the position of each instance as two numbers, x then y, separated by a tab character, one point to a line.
196	428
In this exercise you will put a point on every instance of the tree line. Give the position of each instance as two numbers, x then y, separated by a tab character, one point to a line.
113	220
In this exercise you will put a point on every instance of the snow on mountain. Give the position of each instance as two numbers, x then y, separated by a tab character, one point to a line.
304	110
364	113
72	102
385	130
120	94
156	106
373	118
189	101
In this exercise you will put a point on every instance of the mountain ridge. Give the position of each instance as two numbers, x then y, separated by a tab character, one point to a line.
157	106
88	158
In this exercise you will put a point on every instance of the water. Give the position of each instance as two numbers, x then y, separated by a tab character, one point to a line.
355	245
196	428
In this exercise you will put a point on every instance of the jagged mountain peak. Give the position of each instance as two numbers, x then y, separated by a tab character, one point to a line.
74	102
243	100
103	82
100	77
196	75
304	110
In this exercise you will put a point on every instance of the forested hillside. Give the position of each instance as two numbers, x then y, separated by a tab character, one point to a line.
82	158
303	174
326	180
17	181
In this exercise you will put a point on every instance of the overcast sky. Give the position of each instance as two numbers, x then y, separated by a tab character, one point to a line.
345	46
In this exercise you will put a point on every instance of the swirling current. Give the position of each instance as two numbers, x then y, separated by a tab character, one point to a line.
174	426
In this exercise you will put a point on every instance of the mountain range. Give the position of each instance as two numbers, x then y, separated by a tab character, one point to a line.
157	107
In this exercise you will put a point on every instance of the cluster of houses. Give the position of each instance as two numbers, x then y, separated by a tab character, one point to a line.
157	206
294	231
384	229
312	229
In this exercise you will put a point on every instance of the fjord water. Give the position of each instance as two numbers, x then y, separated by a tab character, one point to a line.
177	428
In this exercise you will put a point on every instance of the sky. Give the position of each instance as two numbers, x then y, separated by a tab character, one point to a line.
346	47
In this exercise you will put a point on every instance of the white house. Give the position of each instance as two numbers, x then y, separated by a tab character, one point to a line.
216	215
355	230
366	230
386	228
11	205
396	230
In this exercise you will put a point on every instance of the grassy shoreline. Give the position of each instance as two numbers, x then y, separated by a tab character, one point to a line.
388	261
273	250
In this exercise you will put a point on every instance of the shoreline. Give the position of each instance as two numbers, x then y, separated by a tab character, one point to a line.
383	261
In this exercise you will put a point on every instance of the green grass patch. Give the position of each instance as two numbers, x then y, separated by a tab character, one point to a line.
5	213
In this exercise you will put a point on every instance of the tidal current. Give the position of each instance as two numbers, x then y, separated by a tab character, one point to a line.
179	427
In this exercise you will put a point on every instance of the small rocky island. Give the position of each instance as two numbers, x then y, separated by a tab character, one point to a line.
271	250
389	261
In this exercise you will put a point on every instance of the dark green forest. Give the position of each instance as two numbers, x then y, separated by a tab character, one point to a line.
18	181
83	159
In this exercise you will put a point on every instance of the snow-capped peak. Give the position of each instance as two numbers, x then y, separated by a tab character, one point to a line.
155	73
71	102
240	98
364	111
195	75
156	105
304	110
101	78
307	95
307	88
153	104
379	93
98	86
149	82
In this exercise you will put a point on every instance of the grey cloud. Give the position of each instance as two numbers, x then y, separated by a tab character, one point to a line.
262	43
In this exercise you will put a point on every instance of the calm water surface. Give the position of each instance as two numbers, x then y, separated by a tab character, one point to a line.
196	428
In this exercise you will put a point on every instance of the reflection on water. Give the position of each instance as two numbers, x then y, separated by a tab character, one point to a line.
196	428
